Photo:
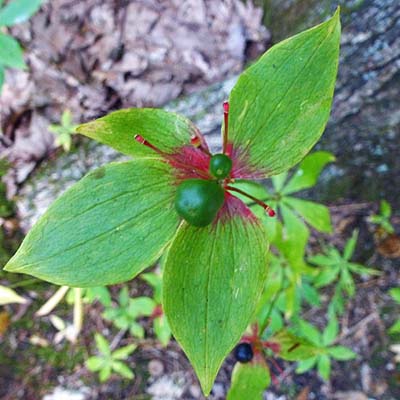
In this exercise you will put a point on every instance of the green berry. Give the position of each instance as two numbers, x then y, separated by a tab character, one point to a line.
198	201
220	166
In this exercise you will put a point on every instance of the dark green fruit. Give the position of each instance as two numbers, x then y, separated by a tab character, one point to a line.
198	201
220	166
244	352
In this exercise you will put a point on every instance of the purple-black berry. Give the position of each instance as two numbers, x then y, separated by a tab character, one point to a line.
244	352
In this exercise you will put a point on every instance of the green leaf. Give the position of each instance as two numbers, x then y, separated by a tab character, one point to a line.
122	369
324	367
10	52
162	330
74	244
249	381
99	293
395	293
328	275
331	331
294	238
141	306
386	209
123	352
105	373
278	181
305	365
102	344
308	172
18	11
347	283
395	328
341	353
213	281
310	332
292	347
165	130
9	296
94	364
317	215
281	104
350	245
136	330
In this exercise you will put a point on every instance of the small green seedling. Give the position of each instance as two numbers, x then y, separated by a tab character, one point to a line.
326	349
160	324
383	218
126	314
64	131
14	12
110	361
395	294
337	267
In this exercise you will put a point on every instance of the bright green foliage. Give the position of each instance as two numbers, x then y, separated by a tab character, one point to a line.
395	293
296	79
110	361
10	52
125	315
324	342
18	11
249	381
64	131
220	166
119	219
292	347
160	323
337	267
165	130
14	12
198	201
383	219
100	231
212	284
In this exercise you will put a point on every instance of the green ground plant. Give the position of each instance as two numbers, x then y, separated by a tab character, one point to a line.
228	256
64	131
12	13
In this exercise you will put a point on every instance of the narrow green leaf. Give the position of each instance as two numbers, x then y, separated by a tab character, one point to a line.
74	244
307	174
123	352
292	347
294	237
105	373
141	306
102	344
213	281
281	104
18	11
395	328
306	365
10	52
278	181
322	260
350	245
386	209
362	270
328	275
395	293
122	369
341	353
324	367
249	381
162	330
317	215
94	364
331	331
165	130
310	332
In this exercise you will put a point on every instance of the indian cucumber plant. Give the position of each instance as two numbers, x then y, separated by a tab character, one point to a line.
201	213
